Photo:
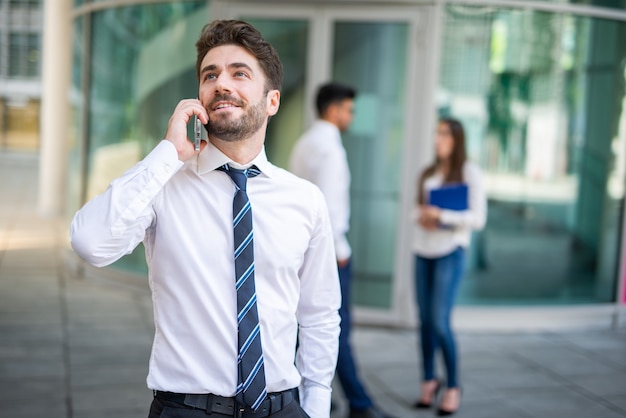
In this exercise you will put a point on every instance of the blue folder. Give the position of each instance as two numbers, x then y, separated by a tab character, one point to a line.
453	197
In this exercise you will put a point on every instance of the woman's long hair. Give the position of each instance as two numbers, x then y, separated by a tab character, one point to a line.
457	159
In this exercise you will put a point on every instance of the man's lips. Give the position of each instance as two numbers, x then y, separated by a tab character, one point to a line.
224	102
222	105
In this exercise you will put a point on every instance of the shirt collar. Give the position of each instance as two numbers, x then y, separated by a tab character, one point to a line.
327	124
211	158
324	124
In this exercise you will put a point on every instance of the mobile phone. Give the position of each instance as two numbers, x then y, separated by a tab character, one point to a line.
198	133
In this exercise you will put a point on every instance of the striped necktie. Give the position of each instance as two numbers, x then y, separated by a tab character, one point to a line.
251	389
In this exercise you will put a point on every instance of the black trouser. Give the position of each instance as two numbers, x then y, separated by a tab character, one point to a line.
175	405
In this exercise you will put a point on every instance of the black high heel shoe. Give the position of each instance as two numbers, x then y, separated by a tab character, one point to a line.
424	405
445	413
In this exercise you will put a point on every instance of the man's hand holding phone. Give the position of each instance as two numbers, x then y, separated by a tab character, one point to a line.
186	111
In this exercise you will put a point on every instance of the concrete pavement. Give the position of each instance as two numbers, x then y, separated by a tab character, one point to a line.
75	348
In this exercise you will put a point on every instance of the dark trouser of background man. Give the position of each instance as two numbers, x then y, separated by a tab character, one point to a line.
361	406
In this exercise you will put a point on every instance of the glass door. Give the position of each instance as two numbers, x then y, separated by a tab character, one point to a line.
372	56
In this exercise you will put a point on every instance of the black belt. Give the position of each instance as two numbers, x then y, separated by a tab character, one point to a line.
273	403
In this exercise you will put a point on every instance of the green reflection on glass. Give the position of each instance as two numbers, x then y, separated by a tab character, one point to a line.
142	62
540	95
372	58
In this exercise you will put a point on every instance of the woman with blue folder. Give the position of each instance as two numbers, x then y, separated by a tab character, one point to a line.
451	202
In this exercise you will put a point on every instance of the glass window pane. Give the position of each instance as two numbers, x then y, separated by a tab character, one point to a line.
142	63
27	4
24	55
373	145
15	54
32	55
138	72
541	96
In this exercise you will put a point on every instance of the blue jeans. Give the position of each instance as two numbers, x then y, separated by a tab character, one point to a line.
346	367
436	284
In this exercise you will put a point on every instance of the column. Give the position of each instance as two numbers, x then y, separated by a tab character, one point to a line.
55	76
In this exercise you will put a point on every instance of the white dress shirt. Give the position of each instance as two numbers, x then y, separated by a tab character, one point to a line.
320	157
459	224
183	215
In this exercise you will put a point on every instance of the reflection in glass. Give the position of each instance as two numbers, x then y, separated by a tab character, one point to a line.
540	95
142	62
372	58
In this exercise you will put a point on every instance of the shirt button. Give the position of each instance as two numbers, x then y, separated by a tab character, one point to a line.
167	168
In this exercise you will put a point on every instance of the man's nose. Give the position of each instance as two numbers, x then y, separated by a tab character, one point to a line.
222	84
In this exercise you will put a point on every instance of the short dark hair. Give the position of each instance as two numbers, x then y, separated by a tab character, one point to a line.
332	93
240	33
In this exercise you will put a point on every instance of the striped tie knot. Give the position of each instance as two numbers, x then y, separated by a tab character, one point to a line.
240	177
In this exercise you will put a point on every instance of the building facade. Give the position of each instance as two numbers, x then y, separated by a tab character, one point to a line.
20	86
540	87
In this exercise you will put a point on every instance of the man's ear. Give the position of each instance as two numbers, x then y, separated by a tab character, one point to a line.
273	102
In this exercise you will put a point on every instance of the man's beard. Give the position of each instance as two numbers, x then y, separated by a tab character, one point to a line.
230	130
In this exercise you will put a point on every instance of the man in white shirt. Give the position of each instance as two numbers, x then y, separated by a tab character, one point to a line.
179	202
320	157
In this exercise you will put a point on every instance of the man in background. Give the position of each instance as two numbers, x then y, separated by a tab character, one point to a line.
320	157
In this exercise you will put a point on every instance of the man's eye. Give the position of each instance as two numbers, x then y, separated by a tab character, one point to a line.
209	76
240	74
